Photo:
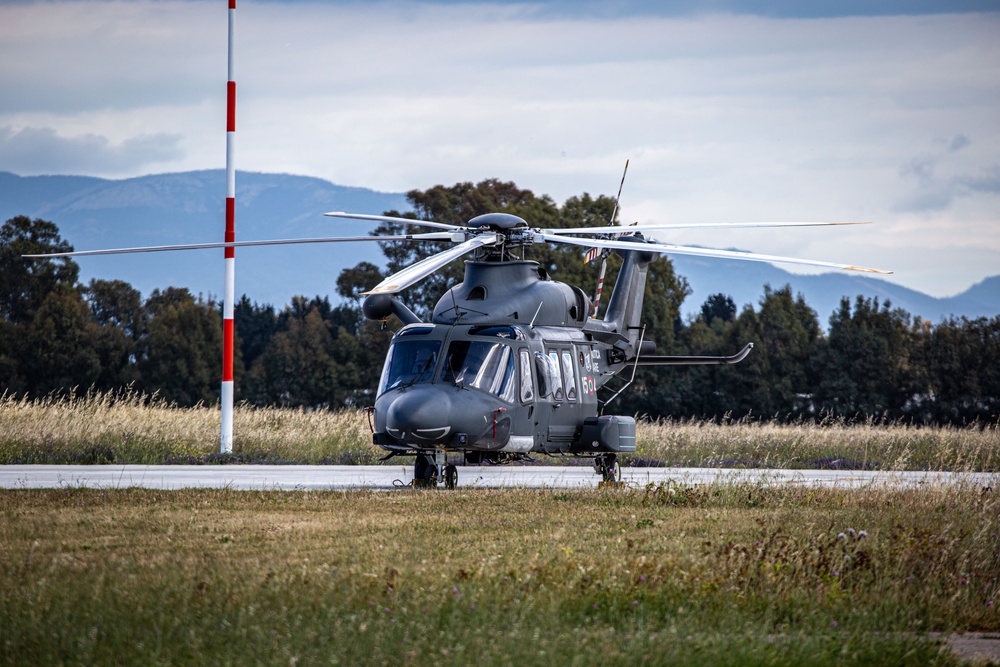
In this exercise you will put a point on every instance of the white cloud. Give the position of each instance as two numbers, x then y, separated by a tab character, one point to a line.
724	117
33	150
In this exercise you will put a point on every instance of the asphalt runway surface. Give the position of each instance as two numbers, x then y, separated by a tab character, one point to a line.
317	478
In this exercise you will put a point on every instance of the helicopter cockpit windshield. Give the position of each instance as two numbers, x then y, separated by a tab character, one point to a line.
486	366
410	361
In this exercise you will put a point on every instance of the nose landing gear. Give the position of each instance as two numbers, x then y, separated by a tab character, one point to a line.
429	469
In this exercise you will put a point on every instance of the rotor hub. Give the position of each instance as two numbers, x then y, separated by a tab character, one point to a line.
497	221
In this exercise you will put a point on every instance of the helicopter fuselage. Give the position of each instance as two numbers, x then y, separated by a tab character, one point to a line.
506	366
492	389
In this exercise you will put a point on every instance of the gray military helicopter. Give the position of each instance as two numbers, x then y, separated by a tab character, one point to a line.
512	363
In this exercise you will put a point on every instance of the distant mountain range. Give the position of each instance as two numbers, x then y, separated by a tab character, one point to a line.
189	208
744	282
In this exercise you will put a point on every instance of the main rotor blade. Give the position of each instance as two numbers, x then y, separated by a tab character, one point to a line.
701	252
389	218
616	229
433	236
417	272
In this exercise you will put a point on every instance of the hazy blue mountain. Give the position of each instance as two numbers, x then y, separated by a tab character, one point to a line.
189	208
982	299
744	281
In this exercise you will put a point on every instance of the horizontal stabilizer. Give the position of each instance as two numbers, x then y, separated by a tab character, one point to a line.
694	361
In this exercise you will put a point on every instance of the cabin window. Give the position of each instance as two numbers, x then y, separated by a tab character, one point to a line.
557	385
569	375
549	383
542	366
409	362
479	365
527	386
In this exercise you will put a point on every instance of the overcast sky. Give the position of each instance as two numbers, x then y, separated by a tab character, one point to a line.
728	110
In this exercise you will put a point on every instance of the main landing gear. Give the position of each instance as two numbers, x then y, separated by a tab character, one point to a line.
429	468
608	467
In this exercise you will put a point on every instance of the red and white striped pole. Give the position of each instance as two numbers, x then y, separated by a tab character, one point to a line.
228	330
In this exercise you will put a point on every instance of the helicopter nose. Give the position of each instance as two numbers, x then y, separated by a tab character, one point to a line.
432	415
420	416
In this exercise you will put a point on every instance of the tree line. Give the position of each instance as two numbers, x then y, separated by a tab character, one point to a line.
874	361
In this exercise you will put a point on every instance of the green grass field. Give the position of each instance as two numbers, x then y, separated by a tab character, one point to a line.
728	574
133	428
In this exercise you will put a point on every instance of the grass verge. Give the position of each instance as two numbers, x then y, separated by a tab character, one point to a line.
725	574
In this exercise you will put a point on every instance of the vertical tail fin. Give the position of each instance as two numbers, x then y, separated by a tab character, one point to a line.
624	312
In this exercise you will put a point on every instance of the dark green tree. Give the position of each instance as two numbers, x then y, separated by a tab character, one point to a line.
116	303
789	338
351	283
58	352
255	326
961	358
718	307
865	369
116	310
307	364
24	283
180	356
772	382
11	374
25	286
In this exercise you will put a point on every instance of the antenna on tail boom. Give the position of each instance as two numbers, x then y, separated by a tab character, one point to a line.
594	252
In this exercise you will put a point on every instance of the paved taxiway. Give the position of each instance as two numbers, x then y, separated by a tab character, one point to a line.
315	478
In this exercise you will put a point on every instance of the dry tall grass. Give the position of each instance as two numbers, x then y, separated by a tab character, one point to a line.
130	427
837	444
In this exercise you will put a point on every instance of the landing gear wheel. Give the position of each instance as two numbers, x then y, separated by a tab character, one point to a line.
613	471
420	471
431	476
450	476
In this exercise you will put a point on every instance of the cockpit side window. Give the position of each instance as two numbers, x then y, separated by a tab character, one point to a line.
527	386
485	366
505	382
